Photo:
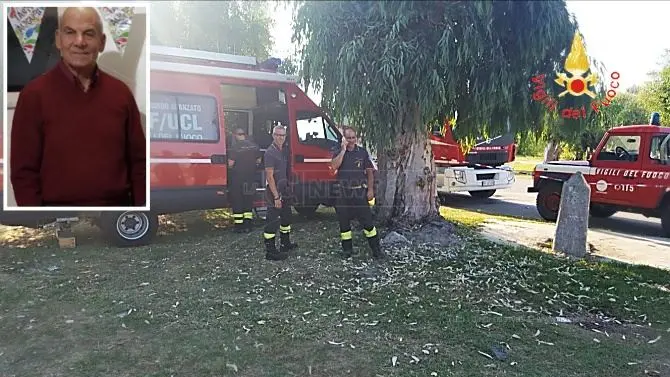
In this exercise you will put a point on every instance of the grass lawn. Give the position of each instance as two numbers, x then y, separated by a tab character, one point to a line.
473	218
525	163
202	301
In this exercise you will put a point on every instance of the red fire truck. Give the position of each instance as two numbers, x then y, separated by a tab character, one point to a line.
629	171
480	172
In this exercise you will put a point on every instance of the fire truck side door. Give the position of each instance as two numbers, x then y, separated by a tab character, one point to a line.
317	140
616	170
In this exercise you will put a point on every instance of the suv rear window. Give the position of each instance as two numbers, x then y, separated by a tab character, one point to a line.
45	55
184	117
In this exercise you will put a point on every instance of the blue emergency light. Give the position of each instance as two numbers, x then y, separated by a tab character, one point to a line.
655	119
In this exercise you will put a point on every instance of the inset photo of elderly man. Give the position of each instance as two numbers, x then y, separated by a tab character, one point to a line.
76	92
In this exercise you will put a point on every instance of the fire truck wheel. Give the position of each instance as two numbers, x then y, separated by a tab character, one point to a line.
548	200
483	194
131	228
665	219
306	210
601	211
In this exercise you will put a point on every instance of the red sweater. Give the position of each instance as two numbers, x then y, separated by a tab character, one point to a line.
76	148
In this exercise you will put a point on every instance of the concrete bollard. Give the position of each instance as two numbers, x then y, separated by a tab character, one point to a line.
573	217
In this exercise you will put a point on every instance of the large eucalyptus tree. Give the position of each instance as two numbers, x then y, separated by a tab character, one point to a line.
393	66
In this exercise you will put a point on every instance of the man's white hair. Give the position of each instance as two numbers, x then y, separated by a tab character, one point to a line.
275	128
98	18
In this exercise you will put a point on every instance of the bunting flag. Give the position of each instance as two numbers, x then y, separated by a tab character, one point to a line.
26	24
119	20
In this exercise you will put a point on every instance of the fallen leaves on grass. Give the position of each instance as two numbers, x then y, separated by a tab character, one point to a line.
464	274
654	340
485	354
232	367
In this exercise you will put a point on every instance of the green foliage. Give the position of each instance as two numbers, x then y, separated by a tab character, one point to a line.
232	27
625	109
530	143
289	66
655	96
383	63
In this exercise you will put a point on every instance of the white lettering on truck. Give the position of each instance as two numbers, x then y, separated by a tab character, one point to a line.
624	187
169	121
645	174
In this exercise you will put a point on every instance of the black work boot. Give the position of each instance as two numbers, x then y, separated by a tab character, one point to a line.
285	244
271	252
248	226
377	252
239	228
347	248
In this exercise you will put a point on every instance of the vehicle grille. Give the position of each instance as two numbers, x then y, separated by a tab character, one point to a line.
488	158
487	176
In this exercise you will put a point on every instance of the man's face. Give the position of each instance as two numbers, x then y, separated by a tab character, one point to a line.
79	38
351	138
240	135
279	136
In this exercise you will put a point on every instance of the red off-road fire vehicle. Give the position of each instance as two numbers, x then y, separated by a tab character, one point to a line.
629	171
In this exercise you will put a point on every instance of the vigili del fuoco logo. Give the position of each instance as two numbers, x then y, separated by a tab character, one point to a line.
577	80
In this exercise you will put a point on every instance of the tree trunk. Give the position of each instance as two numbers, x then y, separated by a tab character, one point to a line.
553	150
407	194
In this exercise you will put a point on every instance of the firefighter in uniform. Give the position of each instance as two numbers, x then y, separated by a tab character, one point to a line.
355	174
244	157
278	195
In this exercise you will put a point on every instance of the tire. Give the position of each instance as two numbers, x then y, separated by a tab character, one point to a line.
483	194
130	228
601	211
306	210
549	200
665	219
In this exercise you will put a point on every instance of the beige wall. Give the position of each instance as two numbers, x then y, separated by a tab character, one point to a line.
129	67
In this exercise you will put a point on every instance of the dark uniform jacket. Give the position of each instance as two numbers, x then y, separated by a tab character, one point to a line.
278	161
352	172
244	153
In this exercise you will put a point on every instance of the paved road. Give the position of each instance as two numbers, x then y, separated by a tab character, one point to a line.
516	201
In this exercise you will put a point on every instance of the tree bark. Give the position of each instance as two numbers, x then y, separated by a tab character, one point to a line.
553	150
407	192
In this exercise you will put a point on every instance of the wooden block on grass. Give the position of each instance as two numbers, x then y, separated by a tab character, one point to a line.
66	239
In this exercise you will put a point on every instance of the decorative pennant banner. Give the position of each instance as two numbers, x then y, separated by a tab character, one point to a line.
26	23
119	20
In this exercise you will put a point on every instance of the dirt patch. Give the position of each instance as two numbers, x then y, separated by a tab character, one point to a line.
421	243
18	237
434	233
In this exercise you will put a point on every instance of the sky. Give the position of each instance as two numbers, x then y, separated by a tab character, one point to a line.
628	37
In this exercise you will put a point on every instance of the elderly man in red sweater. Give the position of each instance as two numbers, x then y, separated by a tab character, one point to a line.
77	138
